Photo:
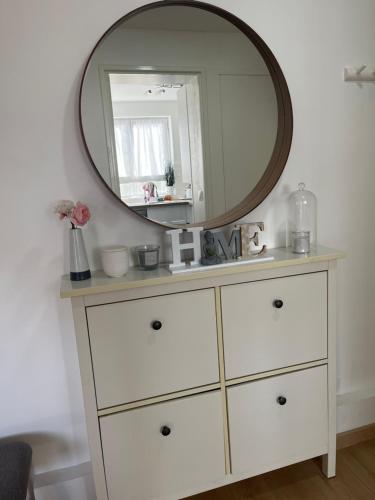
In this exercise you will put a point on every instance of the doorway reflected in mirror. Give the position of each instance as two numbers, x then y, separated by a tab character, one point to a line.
156	129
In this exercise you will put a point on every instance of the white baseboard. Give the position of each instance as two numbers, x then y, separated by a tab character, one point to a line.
62	475
355	396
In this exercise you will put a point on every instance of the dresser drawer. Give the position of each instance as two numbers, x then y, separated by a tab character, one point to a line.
142	464
265	434
132	360
259	336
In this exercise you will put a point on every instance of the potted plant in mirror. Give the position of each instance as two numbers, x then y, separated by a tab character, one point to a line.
78	215
170	179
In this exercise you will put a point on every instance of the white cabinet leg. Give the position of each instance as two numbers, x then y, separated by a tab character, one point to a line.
329	460
329	464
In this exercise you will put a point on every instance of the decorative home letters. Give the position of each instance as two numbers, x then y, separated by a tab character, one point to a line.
244	243
231	250
250	245
178	247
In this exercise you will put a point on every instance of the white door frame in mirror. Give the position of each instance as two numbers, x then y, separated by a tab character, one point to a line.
199	150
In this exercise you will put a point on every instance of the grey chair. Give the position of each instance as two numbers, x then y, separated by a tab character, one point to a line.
15	469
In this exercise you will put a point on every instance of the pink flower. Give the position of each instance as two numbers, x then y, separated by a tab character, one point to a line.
63	208
80	214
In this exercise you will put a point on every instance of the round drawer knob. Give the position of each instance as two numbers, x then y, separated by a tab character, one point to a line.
165	430
278	303
156	325
281	400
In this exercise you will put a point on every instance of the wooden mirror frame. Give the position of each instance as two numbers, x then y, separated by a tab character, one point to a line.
284	135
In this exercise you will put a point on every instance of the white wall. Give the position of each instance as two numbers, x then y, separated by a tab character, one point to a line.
43	49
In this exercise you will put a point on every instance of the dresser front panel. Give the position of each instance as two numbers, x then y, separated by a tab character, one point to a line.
259	337
142	464
264	434
133	361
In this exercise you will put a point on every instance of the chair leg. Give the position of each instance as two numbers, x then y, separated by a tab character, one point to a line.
30	490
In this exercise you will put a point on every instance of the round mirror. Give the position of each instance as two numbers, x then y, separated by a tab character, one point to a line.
185	114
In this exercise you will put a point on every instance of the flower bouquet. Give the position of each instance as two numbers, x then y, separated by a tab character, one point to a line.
78	214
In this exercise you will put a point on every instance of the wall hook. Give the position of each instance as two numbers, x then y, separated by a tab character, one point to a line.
360	69
359	74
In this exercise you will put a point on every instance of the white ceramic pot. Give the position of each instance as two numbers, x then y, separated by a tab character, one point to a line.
115	261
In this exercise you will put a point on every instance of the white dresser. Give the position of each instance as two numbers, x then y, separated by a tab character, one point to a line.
198	380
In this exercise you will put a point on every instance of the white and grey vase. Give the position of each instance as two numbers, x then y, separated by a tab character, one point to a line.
79	265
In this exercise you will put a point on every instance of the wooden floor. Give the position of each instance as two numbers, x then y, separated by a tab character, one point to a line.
355	479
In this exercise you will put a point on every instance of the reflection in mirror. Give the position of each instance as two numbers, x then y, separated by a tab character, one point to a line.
179	114
153	115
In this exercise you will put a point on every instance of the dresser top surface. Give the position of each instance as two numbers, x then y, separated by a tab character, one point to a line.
136	278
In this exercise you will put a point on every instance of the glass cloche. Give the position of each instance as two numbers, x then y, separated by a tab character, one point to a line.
301	227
